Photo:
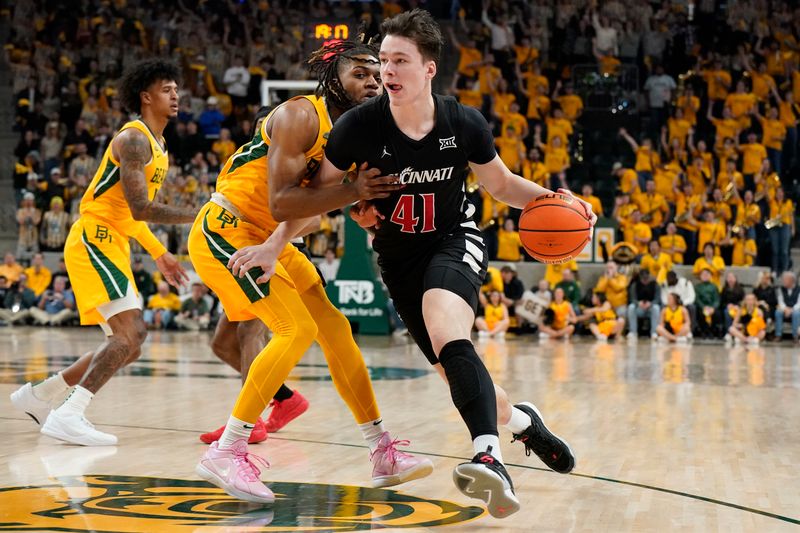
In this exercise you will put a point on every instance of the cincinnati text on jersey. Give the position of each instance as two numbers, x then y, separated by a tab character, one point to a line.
409	175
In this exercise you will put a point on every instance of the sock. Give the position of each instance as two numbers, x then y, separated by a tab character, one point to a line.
519	421
235	429
284	393
372	431
483	443
48	389
77	401
471	387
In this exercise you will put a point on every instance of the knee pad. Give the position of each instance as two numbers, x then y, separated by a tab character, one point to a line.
464	370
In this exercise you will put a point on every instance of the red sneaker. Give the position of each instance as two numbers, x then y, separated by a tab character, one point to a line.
285	411
259	434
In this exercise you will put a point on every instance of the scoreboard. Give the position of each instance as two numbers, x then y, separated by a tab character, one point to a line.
320	31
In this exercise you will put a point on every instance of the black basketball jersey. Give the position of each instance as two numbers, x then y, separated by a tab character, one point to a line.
434	169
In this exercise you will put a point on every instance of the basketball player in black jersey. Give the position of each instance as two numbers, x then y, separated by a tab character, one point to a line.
432	256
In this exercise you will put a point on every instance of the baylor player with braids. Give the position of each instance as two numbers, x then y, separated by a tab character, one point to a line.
230	235
117	205
238	344
432	256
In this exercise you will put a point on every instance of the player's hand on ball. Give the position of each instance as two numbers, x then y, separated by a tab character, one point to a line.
370	184
366	215
264	256
586	206
172	270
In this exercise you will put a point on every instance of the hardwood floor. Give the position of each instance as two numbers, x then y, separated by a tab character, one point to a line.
694	438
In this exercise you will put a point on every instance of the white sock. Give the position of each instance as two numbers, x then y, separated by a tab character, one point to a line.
234	430
483	442
372	432
77	401
48	389
519	421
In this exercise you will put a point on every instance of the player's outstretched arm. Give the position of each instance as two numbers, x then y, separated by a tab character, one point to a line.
516	191
132	150
293	131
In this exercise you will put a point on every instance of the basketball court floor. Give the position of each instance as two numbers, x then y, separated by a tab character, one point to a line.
692	438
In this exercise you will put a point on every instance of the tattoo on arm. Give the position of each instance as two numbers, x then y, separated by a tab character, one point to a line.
134	153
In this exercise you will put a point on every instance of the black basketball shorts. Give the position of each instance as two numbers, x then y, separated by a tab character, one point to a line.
457	264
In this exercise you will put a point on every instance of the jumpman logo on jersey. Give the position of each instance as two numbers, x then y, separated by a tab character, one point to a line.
449	142
385	153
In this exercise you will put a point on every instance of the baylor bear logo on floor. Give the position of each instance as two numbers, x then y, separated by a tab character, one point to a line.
132	503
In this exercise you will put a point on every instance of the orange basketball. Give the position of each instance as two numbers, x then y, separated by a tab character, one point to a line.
553	228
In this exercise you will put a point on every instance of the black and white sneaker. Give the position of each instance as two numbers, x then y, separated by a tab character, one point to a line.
485	478
552	450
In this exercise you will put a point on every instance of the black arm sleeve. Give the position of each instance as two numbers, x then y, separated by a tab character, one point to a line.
344	141
478	138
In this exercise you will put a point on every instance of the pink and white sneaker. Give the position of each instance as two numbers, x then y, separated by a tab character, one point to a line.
390	466
233	470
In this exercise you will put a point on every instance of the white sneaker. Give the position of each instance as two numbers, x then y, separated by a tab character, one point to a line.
682	340
632	336
543	336
653	336
602	338
483	335
75	429
753	341
24	400
737	341
500	336
400	332
728	338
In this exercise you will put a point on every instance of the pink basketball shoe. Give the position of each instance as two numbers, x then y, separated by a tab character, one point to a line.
390	466
233	470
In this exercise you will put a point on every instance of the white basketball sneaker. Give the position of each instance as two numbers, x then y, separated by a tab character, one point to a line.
75	429
24	400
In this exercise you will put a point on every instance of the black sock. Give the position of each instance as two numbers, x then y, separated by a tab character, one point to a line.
471	387
284	393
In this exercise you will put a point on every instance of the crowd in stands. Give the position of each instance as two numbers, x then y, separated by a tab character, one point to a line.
637	300
704	178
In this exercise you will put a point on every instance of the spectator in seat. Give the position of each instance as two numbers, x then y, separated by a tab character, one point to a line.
712	262
55	226
508	242
615	286
558	320
210	120
236	80
683	288
766	294
571	288
512	287
788	305
39	276
749	325
707	305
10	268
19	301
730	299
675	324
329	267
161	307
604	322
143	279
495	320
195	313
645	298
56	305
28	219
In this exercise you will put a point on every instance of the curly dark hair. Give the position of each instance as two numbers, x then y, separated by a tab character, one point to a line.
326	61
141	76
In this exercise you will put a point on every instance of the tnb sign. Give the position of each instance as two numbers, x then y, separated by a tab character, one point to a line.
356	291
